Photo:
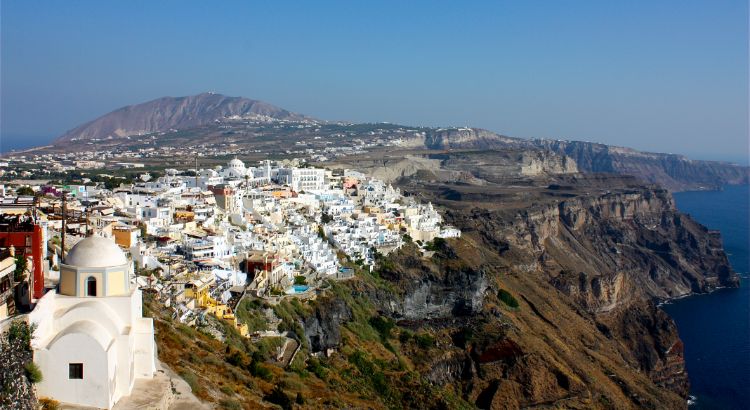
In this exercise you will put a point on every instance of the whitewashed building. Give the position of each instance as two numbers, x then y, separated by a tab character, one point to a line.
303	179
91	341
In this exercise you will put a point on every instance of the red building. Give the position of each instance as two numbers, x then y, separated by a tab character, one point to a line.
259	261
21	232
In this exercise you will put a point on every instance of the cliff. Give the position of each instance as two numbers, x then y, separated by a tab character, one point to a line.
584	272
674	172
471	167
548	300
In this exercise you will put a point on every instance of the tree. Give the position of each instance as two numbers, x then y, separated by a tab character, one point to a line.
21	265
24	191
325	218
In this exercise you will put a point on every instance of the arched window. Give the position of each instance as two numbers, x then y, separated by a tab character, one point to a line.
91	286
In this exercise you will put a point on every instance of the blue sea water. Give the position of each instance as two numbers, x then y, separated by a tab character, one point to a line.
716	327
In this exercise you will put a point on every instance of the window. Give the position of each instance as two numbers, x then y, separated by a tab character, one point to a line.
91	286
75	370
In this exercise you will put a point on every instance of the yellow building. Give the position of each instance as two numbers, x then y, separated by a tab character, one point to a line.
199	290
125	236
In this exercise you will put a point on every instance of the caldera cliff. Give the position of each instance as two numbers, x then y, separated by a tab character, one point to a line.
552	303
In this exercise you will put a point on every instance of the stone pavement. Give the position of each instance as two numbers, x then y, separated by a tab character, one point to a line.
166	391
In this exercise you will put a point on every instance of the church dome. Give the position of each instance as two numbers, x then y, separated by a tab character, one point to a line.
236	163
95	252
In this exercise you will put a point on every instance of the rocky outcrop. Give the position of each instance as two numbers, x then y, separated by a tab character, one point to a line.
458	293
468	138
322	327
541	162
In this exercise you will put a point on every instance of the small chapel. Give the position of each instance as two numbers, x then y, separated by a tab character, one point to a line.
92	341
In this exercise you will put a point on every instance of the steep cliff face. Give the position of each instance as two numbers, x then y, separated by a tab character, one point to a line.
598	245
552	304
539	163
472	167
468	138
674	172
614	255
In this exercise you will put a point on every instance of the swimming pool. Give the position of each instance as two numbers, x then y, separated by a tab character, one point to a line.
297	289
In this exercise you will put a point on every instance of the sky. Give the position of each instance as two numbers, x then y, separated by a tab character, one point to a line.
665	76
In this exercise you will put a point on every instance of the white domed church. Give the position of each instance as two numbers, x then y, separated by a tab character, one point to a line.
91	341
235	170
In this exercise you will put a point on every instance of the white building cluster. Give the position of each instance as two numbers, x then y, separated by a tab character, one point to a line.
200	241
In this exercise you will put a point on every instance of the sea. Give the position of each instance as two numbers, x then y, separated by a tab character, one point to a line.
715	328
10	143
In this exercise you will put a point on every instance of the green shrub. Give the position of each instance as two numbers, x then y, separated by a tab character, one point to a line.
33	372
259	370
383	325
192	380
277	396
300	280
437	244
315	367
507	298
236	358
20	330
300	399
21	265
372	371
424	340
230	405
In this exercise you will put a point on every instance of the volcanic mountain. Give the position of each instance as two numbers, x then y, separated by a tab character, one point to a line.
163	114
211	118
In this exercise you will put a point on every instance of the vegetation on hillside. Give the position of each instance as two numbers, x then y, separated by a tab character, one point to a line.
371	367
18	372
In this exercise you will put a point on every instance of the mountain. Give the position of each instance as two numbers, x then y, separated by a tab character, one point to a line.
197	115
177	113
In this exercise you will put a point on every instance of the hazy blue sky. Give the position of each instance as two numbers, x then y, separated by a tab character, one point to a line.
667	76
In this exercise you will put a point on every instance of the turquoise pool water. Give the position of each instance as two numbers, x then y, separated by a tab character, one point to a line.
297	289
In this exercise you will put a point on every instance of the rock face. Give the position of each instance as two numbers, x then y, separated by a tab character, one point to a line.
600	244
472	167
585	270
322	326
179	113
540	163
673	172
613	255
469	138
